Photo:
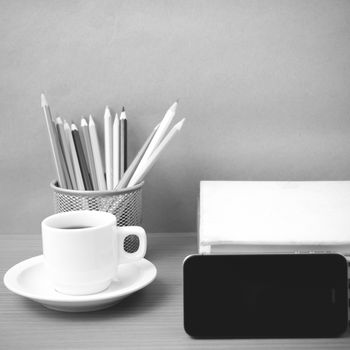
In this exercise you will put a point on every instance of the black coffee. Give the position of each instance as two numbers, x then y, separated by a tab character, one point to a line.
75	227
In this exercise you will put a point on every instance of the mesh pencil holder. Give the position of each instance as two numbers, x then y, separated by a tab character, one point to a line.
125	204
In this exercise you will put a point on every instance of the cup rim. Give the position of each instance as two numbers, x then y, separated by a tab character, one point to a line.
111	220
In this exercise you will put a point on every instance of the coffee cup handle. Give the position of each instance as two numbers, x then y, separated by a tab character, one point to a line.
122	232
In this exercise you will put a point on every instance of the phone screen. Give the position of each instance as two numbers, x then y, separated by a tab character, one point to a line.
253	296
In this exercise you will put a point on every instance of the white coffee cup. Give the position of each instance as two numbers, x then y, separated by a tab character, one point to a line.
82	250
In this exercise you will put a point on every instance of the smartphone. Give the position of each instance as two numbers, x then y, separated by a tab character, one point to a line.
265	296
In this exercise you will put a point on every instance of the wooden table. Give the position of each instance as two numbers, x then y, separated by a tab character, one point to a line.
149	319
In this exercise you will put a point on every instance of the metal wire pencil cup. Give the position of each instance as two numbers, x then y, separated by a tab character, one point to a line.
125	204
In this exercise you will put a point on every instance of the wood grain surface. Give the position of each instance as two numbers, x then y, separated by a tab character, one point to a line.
149	319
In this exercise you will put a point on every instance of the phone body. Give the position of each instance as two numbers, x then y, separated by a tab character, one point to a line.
265	296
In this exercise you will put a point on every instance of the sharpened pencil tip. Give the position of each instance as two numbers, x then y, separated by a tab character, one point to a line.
180	124
59	120
123	114
74	127
67	125
108	112
44	101
83	122
91	120
174	106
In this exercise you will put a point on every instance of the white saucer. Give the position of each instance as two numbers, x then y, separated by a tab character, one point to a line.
29	279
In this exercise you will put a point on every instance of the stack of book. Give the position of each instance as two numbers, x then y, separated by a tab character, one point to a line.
254	217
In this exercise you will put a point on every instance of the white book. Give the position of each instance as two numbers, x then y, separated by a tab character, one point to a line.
274	216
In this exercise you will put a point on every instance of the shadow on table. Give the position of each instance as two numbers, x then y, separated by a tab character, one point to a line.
136	304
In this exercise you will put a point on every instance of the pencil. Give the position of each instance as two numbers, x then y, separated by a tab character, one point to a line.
155	155
163	127
66	153
131	168
108	129
81	158
123	142
90	157
116	149
83	144
73	153
97	155
61	156
54	142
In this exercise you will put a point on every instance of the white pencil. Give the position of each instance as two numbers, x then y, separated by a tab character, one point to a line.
108	128
163	127
129	172
90	156
123	152
54	142
66	151
97	155
73	152
139	176
116	150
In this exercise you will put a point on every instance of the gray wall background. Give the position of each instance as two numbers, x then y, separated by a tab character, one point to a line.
264	86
